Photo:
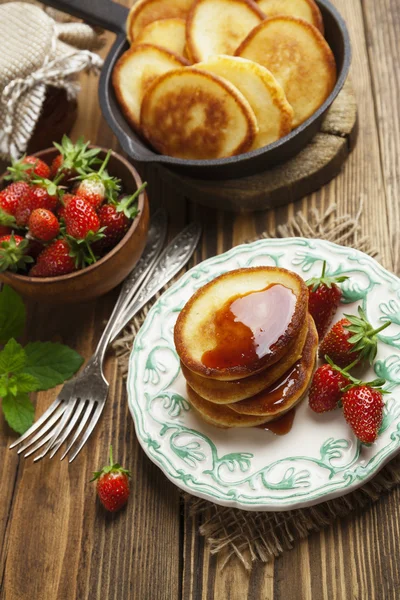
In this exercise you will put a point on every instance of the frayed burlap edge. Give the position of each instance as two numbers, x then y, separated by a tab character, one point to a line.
261	536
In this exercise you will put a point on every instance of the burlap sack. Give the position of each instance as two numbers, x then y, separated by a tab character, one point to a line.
37	52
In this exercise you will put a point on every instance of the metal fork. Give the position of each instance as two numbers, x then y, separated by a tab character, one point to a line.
81	400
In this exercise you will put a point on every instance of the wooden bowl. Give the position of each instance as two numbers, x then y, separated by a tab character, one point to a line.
106	273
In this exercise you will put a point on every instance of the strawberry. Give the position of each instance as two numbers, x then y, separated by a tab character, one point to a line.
117	218
363	410
324	296
112	485
43	225
81	219
73	159
26	167
42	196
5	230
350	339
54	260
97	186
13	194
13	255
326	388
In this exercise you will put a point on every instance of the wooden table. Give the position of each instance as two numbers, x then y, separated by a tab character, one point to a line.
58	544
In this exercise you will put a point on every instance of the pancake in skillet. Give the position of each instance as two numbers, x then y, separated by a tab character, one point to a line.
137	68
241	322
219	26
167	33
298	56
144	12
286	392
303	9
226	392
265	95
188	113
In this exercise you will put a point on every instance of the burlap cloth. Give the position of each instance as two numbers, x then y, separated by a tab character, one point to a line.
251	536
36	52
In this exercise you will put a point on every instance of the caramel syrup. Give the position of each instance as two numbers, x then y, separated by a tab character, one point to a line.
247	326
278	393
281	426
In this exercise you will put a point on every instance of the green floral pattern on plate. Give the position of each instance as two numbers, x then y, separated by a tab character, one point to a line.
251	468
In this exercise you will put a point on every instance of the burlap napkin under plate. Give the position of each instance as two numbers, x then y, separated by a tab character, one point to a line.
251	536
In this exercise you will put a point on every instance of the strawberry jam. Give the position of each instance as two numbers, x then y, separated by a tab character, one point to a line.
247	326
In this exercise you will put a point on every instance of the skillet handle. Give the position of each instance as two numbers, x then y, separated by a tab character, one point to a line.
103	13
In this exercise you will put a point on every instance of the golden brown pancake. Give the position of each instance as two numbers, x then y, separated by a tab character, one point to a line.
266	97
137	68
241	322
286	392
302	9
219	26
226	392
144	12
167	33
298	56
188	113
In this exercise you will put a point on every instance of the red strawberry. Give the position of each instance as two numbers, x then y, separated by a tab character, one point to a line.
363	410
13	255
74	159
43	225
117	218
81	219
326	388
98	186
62	205
26	167
112	485
55	260
5	230
323	299
40	197
13	194
352	338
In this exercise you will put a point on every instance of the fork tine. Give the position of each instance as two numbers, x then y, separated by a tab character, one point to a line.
49	424
68	429
85	417
89	430
40	443
38	423
59	427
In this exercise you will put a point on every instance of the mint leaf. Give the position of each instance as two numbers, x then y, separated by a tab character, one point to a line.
18	411
22	382
51	364
12	315
12	358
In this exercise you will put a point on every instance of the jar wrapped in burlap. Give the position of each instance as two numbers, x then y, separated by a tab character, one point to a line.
37	53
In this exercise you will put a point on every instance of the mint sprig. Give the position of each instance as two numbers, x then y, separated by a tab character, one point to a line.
35	367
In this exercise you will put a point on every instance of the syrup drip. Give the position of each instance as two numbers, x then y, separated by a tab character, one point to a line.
248	326
281	426
276	395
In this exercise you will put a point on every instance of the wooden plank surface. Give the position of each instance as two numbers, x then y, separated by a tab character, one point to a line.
56	543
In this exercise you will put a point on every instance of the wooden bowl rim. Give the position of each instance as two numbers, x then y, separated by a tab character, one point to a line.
91	268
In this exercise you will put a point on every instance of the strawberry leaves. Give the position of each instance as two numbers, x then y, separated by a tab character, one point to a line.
364	339
37	366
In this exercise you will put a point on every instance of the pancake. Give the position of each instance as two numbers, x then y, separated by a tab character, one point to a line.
226	392
133	73
219	26
221	415
286	392
266	97
241	322
167	33
298	56
303	9
144	12
188	113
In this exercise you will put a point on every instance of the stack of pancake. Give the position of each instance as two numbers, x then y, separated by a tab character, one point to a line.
247	346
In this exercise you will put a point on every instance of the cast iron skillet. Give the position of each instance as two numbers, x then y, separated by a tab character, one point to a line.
112	16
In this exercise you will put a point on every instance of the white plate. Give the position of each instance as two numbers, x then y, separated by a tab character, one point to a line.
250	468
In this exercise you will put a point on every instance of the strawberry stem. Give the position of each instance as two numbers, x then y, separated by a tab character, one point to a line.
105	162
381	328
323	269
111	456
350	366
